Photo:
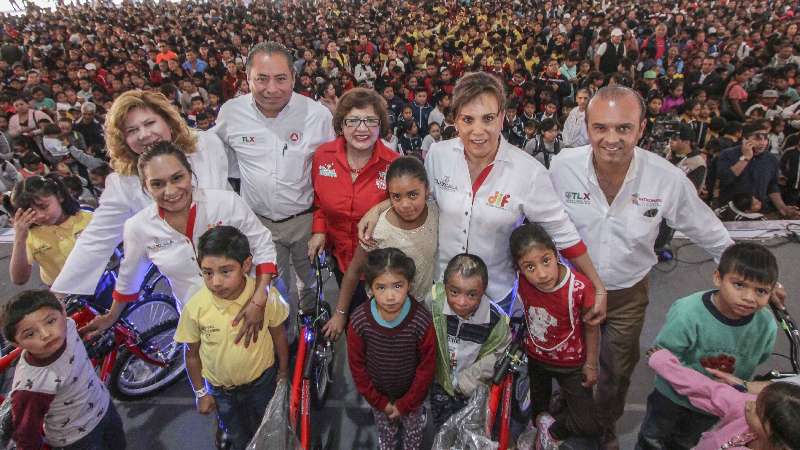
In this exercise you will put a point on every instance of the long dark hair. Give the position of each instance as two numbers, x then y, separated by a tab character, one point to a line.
28	191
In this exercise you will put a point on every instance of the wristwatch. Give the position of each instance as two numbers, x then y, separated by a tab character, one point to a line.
200	393
744	158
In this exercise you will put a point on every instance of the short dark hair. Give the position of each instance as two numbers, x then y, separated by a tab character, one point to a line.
225	241
385	260
269	48
754	126
528	236
161	149
360	98
752	261
778	407
468	266
742	200
28	191
24	303
474	84
407	165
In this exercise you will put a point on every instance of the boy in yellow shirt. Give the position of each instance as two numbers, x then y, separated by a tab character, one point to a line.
238	381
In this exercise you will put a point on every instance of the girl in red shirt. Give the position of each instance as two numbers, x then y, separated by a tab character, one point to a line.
558	343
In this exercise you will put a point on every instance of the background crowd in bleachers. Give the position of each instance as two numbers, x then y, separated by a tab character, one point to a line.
710	65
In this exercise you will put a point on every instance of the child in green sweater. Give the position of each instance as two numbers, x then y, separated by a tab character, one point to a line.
726	329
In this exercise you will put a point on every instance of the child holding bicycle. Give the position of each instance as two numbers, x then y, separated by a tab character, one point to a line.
726	329
55	387
391	349
235	380
471	334
559	344
47	222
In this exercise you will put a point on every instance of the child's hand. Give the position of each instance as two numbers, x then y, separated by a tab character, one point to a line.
725	377
652	350
395	414
589	375
253	315
206	404
333	329
23	219
388	408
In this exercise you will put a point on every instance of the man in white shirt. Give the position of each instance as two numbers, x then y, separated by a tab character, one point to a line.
273	132
617	195
575	134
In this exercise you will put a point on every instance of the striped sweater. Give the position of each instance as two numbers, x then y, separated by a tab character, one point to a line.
392	364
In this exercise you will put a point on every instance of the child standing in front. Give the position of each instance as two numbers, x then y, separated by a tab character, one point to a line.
238	381
559	344
55	387
391	349
471	335
409	225
727	329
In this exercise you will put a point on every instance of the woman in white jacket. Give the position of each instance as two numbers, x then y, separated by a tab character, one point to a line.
136	120
166	233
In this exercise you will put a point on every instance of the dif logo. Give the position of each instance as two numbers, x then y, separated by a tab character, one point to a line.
499	199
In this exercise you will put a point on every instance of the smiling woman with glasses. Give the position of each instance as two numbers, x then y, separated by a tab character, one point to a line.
349	177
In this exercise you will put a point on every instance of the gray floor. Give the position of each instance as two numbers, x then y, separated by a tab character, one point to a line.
169	421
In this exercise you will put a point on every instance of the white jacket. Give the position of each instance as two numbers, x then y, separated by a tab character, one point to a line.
517	186
149	238
122	198
620	236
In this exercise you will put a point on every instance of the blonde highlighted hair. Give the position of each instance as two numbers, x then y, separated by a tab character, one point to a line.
123	159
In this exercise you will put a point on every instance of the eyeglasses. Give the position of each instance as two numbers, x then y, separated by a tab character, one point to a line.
355	122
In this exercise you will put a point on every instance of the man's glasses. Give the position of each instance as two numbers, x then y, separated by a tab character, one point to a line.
355	122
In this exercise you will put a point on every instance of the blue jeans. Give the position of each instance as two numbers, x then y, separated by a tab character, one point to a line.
668	425
241	408
107	435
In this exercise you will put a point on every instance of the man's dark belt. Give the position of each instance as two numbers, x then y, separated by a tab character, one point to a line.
309	210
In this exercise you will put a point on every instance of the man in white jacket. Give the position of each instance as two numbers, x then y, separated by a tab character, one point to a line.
617	195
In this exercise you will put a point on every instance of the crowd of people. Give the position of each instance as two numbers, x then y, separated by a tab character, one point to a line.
230	143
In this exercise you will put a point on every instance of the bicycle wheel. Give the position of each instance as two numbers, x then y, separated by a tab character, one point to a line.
521	401
151	310
133	378
321	374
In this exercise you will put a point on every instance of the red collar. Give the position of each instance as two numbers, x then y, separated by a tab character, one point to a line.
190	221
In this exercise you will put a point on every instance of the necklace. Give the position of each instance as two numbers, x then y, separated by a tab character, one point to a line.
356	170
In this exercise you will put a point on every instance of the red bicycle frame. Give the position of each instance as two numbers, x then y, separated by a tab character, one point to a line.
498	392
124	336
300	396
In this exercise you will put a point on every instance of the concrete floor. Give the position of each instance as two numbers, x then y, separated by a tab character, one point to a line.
169	421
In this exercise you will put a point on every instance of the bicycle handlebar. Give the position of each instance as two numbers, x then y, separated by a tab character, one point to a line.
505	362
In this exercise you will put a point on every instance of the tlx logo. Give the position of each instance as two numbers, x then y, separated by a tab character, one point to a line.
577	195
249	139
499	199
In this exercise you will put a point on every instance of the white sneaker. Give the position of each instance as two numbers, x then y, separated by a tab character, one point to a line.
544	441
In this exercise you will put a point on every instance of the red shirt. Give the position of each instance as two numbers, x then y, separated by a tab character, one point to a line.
341	202
552	337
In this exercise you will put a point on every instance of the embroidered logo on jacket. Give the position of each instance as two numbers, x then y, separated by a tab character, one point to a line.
577	198
248	139
646	202
158	244
327	170
444	184
498	199
380	181
295	137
